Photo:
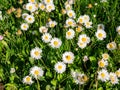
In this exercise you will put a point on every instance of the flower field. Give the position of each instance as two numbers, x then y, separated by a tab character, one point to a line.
59	45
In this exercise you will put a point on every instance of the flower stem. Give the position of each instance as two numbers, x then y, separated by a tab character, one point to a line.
38	85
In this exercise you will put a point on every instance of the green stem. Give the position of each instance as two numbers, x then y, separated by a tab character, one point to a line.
38	85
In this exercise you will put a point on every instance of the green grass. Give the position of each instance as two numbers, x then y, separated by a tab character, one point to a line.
15	49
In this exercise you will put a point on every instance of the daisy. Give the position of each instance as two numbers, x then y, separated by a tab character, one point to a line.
48	1
105	56
32	1
68	7
80	78
52	23
43	29
100	27
88	24
36	72
46	37
55	43
86	18
31	7
102	63
24	26
80	20
30	19
70	34
71	14
118	30
42	6
111	46
70	22
79	29
103	75
81	44
36	53
60	67
113	78
118	72
24	15
83	38
68	57
50	7
27	80
100	34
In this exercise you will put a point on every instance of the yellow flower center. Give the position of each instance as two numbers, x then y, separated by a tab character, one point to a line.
68	57
102	75
55	43
46	37
30	7
30	19
28	79
101	64
105	56
78	29
70	22
81	21
48	1
42	6
70	14
84	39
117	73
100	35
24	26
110	45
32	1
84	78
68	33
52	25
37	53
60	67
50	7
36	72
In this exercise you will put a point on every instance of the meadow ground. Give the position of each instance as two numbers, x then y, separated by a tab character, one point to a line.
60	44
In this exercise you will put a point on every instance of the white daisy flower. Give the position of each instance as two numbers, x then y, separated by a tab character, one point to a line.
42	6
71	14
32	1
102	63
118	30
70	34
24	26
103	75
105	56
31	7
52	23
111	46
60	67
50	7
46	37
100	27
118	72
27	80
36	53
83	38
48	1
68	7
24	15
80	20
81	44
43	29
55	43
80	78
36	72
113	78
88	24
68	57
12	70
100	34
86	18
30	19
70	22
79	29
